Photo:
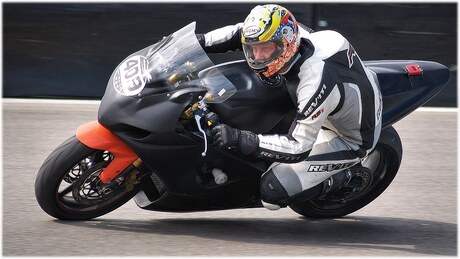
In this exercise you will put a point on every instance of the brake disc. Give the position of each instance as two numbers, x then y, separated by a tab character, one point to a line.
89	189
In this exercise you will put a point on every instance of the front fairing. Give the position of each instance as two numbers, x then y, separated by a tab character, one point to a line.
150	89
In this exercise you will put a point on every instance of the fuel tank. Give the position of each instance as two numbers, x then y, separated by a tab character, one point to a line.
256	106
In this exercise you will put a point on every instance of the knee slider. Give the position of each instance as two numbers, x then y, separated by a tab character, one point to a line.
272	191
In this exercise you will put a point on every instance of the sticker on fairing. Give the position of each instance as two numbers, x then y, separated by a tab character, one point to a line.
131	76
222	92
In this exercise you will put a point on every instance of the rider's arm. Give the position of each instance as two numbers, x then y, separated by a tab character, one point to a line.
317	97
221	40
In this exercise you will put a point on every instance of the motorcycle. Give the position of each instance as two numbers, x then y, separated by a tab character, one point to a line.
150	142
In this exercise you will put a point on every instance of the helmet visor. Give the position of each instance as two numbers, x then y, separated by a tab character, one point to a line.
260	54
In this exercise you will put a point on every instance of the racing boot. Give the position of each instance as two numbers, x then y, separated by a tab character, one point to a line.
335	182
347	183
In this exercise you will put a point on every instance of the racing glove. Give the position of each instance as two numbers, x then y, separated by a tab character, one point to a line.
224	136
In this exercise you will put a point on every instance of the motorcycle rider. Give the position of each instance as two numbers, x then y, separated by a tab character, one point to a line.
339	105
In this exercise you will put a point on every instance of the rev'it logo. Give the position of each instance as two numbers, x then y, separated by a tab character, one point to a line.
285	157
317	100
329	167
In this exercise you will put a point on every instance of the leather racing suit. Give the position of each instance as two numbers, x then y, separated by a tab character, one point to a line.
338	121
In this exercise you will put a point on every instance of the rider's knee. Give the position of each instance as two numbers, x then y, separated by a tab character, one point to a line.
278	184
281	186
271	190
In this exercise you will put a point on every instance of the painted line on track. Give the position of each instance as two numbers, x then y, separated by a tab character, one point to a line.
97	102
50	101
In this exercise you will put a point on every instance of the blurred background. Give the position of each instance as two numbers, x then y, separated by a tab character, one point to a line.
69	50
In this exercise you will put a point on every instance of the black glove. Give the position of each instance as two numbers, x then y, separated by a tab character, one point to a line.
225	136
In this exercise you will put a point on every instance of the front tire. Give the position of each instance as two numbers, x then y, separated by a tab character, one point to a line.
67	182
383	161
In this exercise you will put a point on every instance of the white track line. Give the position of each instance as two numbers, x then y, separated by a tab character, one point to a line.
436	109
50	101
97	102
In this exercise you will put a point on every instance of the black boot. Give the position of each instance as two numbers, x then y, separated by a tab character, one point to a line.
346	183
335	182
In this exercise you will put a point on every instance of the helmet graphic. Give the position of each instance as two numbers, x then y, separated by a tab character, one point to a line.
270	38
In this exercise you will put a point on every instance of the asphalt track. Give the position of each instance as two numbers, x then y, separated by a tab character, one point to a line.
416	216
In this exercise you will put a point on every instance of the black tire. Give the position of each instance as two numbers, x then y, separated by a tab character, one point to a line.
66	165
384	162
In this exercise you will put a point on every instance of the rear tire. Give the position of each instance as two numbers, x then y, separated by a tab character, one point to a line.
383	161
58	177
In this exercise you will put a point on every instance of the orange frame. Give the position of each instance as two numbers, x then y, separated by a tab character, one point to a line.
95	136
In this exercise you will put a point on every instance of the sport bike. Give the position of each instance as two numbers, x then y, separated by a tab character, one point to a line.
150	141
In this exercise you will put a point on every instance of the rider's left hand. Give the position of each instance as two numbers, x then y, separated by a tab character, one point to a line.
224	136
244	141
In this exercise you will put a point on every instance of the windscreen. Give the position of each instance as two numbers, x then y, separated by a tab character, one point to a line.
177	61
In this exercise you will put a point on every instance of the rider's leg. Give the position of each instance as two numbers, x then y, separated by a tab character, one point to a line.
286	183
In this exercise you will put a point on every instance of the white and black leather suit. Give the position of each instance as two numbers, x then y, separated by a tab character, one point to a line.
338	120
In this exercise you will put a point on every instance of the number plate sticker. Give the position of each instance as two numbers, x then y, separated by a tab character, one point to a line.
131	76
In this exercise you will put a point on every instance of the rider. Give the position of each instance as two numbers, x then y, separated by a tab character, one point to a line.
339	104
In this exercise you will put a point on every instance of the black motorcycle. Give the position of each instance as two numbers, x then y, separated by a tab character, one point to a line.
150	140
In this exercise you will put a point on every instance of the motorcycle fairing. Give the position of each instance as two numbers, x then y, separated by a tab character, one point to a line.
148	122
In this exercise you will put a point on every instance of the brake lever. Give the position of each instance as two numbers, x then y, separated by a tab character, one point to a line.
211	119
197	119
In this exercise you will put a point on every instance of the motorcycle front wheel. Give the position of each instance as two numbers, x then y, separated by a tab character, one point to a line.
67	186
383	162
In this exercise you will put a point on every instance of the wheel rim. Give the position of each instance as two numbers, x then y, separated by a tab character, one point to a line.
77	190
377	164
76	171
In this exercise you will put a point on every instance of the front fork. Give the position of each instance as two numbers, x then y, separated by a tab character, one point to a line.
96	136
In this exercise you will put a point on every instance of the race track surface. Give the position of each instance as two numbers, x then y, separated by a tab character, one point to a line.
415	216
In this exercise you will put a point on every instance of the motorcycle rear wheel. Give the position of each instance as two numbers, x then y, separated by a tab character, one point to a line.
65	186
383	161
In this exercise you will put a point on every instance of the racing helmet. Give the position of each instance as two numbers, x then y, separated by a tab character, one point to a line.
270	39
